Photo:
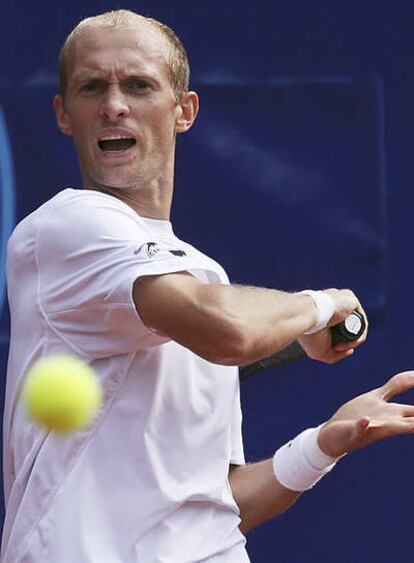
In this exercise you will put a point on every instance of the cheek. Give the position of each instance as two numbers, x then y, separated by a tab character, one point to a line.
81	128
80	139
80	116
83	144
165	127
162	119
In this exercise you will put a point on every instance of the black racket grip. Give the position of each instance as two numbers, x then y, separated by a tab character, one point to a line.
289	354
349	329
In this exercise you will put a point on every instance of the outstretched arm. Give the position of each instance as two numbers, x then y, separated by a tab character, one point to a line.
236	325
363	420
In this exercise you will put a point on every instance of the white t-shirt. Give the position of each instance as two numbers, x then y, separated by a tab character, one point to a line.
148	482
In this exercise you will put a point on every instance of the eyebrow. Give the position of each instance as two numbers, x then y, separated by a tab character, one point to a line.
96	74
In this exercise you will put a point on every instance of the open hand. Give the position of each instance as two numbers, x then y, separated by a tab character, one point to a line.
369	418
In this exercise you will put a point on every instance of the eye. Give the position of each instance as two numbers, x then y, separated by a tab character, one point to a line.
136	84
93	86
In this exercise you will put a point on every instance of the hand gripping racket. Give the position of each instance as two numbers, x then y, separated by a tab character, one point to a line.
349	329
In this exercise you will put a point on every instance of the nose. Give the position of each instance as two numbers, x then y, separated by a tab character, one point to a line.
114	104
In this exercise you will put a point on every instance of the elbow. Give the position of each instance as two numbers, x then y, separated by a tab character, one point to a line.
232	346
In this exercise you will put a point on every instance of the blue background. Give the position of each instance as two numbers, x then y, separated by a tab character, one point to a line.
297	174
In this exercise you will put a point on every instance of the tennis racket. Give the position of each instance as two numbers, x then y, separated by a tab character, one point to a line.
349	329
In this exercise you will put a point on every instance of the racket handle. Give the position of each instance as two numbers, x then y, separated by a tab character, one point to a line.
289	354
349	329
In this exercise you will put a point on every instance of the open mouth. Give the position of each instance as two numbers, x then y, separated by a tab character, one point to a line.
116	144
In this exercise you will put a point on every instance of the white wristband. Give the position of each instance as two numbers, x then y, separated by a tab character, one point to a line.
325	308
299	464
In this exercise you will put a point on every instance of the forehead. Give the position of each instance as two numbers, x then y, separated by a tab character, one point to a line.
133	48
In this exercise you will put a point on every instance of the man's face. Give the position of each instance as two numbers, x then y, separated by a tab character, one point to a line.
120	106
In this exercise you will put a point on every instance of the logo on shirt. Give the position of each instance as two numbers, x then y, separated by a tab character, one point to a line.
150	249
178	252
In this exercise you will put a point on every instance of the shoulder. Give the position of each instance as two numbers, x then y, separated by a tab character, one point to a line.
92	208
86	215
78	220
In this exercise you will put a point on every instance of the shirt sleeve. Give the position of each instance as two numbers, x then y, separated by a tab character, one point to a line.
89	253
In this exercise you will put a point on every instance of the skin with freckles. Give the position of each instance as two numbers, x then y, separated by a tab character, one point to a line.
118	85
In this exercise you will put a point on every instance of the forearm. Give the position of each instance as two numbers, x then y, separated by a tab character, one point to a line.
258	493
265	320
264	490
232	325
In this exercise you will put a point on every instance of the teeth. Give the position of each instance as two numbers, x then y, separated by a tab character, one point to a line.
114	138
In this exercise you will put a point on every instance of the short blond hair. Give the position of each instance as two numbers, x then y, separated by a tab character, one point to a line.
177	60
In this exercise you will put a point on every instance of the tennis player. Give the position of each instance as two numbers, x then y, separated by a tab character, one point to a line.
98	273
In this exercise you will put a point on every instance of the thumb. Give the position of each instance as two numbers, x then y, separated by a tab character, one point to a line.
338	437
362	424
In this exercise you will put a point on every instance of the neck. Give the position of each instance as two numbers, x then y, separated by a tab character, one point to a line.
151	205
147	189
152	199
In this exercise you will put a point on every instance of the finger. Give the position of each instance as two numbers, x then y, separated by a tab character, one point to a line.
362	424
409	422
356	433
395	427
353	300
345	302
358	429
397	384
395	410
400	409
407	411
360	310
361	340
337	437
337	356
346	346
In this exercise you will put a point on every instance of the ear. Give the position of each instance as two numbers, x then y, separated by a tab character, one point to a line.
187	110
61	116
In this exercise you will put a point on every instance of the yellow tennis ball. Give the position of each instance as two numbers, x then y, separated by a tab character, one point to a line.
62	393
